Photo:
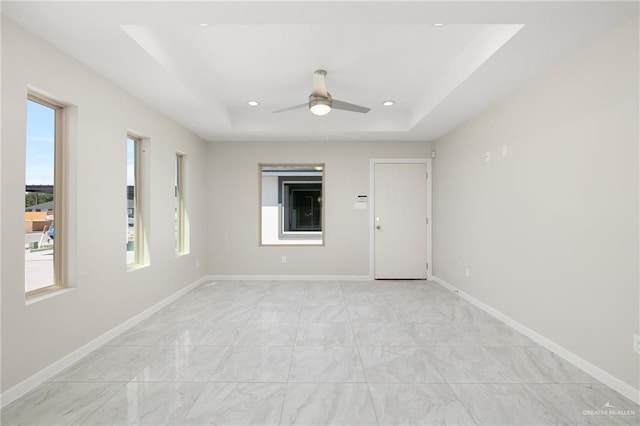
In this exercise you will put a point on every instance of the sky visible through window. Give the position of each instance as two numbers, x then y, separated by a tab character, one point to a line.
131	161
40	144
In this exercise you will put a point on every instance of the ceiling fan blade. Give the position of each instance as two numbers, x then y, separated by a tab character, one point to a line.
346	106
304	105
319	84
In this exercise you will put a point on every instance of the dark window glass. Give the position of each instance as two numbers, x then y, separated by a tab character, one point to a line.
303	209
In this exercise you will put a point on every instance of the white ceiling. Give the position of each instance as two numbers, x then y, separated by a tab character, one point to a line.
267	51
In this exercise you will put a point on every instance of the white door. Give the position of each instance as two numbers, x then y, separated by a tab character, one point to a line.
400	220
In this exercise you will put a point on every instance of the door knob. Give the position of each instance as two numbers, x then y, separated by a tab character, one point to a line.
378	226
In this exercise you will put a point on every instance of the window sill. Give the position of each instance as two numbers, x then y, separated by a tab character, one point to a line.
308	236
181	253
48	294
294	243
136	267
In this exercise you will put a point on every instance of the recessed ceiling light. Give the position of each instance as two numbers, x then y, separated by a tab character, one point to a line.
388	103
203	25
438	24
253	103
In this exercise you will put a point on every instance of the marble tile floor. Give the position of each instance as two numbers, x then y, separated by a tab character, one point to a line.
328	353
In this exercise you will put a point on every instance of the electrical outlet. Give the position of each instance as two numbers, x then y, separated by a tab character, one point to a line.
284	259
197	263
467	272
636	343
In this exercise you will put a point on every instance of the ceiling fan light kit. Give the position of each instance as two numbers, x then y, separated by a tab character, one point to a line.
319	105
320	101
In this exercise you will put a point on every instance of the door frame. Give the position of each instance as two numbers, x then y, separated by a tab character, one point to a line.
372	164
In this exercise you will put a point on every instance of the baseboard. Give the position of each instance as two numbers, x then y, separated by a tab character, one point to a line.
46	373
593	370
289	277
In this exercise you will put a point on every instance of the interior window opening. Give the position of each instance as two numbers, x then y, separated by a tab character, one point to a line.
292	204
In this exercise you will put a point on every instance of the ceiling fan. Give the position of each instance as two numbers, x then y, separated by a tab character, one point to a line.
321	102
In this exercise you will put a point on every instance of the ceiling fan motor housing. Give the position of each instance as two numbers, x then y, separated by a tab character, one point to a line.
319	100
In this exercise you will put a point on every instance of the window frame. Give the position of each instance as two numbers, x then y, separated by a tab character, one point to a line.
59	196
285	191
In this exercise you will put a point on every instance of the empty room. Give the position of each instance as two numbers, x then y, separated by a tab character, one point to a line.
320	213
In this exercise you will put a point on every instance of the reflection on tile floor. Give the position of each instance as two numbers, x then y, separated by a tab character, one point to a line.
369	353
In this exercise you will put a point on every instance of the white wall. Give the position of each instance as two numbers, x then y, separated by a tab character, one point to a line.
233	183
550	232
270	210
105	294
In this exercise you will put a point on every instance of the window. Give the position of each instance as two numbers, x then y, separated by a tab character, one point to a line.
181	245
44	225
291	204
134	217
